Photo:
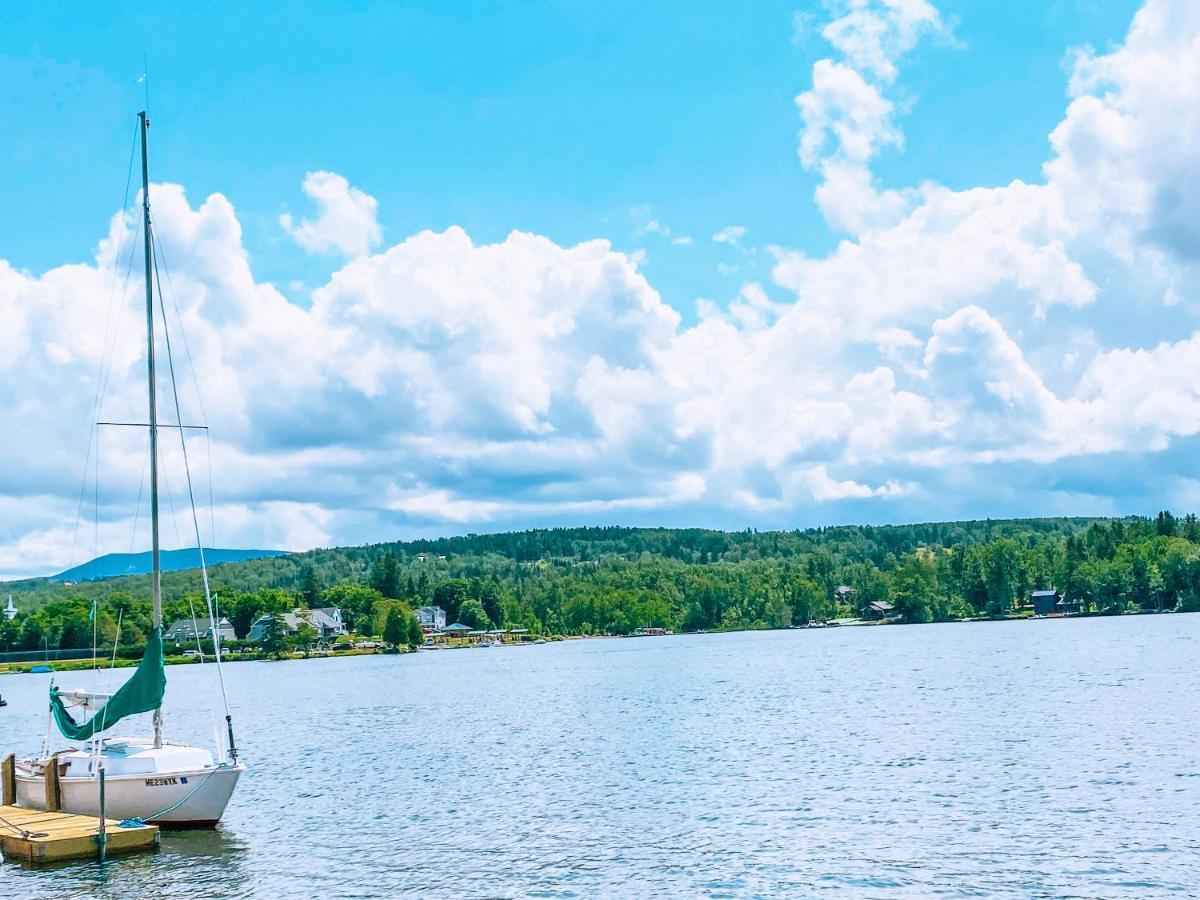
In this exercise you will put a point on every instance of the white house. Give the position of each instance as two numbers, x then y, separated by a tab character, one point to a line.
432	617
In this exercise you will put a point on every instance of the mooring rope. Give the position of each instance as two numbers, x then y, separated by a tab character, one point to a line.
21	831
140	821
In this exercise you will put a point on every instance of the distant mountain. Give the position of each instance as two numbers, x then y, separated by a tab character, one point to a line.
114	564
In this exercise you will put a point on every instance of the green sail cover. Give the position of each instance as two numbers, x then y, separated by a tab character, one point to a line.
141	693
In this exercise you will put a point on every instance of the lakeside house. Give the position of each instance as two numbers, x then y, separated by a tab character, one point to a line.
1046	602
844	594
878	609
431	618
183	631
326	621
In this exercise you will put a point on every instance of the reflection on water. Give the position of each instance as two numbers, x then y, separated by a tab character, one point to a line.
190	864
1038	758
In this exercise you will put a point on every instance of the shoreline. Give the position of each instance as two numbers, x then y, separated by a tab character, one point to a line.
88	663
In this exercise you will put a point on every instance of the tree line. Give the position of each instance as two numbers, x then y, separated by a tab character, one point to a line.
615	580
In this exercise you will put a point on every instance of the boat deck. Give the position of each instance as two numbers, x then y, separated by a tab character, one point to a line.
35	836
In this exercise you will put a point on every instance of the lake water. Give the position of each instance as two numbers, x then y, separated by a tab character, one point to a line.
1046	758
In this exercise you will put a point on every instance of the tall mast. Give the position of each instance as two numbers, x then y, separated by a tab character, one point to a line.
156	568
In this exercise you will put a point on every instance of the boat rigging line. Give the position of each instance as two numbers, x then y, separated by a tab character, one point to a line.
208	600
108	348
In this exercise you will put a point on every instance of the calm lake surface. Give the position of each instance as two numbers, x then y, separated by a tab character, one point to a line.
1047	758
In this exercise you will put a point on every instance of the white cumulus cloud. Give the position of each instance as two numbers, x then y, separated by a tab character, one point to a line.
346	218
916	370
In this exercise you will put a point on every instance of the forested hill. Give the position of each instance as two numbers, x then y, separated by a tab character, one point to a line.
847	544
613	580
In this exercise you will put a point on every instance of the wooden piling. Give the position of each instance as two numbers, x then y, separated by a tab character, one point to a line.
102	831
53	786
8	773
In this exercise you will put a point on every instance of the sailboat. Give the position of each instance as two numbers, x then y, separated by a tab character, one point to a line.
149	778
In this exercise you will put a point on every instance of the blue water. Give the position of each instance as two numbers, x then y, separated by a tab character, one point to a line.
1044	759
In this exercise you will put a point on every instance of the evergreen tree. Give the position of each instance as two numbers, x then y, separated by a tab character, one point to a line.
310	587
274	640
1165	524
416	637
385	576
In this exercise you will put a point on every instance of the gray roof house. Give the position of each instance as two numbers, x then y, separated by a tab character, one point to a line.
878	609
326	622
184	630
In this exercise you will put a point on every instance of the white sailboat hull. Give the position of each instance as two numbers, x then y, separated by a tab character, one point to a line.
201	796
175	785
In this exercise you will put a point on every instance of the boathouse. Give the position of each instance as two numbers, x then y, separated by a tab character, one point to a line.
1046	602
878	609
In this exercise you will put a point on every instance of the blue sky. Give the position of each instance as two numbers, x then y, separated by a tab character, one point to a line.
453	267
555	118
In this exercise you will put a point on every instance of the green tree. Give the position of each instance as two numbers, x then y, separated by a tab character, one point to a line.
489	595
416	637
385	576
809	602
1165	524
449	595
304	638
1002	575
357	603
382	610
274	640
244	608
914	585
395	631
472	613
310	587
778	612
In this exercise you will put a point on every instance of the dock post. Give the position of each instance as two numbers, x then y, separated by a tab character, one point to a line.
102	834
8	772
53	790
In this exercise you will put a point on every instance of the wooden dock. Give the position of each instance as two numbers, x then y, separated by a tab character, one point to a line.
38	836
34	836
